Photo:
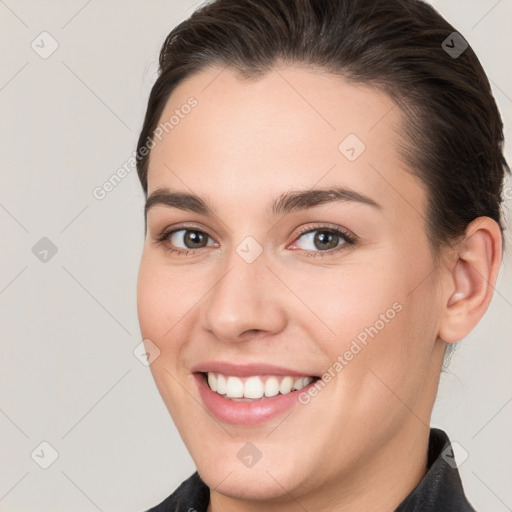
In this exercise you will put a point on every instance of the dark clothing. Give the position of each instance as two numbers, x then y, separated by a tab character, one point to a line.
440	490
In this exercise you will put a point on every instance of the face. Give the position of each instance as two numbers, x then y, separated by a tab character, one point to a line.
264	280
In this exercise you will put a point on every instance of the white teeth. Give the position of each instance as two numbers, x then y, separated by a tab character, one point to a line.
221	384
212	382
234	388
301	383
255	387
286	385
272	387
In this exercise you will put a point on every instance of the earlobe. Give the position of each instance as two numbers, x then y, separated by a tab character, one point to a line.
471	279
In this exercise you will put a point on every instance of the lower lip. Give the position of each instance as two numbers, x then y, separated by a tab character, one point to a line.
246	413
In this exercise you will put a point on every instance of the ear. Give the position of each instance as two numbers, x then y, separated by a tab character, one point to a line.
472	275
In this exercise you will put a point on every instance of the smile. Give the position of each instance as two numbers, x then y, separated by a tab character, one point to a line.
257	399
255	387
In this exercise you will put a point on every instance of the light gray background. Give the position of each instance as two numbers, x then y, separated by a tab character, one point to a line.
69	325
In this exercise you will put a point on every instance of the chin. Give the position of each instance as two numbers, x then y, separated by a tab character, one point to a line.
249	484
272	478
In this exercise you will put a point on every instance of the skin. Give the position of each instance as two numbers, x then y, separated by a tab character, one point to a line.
243	145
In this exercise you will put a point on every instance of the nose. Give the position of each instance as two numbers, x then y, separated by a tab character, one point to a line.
246	297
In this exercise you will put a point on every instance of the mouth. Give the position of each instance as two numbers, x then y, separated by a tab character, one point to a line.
250	394
255	387
253	400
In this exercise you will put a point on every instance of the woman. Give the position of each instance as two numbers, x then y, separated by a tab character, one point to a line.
323	182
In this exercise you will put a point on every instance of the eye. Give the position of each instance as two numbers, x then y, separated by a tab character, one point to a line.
184	241
324	239
316	241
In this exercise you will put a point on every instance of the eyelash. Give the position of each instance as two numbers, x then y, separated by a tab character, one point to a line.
349	239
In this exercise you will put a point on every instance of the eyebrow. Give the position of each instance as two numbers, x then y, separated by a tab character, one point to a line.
295	200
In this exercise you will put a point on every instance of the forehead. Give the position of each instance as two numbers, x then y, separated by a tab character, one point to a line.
293	127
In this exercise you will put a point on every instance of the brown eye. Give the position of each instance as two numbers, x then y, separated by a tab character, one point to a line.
322	240
190	238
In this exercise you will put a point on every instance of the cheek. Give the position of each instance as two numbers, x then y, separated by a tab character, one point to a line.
150	306
160	307
377	311
353	298
164	296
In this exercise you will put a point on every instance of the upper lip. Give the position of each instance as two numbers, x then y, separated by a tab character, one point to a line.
246	370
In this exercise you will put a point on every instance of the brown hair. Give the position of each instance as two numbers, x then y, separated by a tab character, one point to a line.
453	129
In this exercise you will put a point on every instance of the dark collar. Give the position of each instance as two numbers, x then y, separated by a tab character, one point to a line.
440	490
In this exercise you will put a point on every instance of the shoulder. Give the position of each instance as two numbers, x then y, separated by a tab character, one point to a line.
192	495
